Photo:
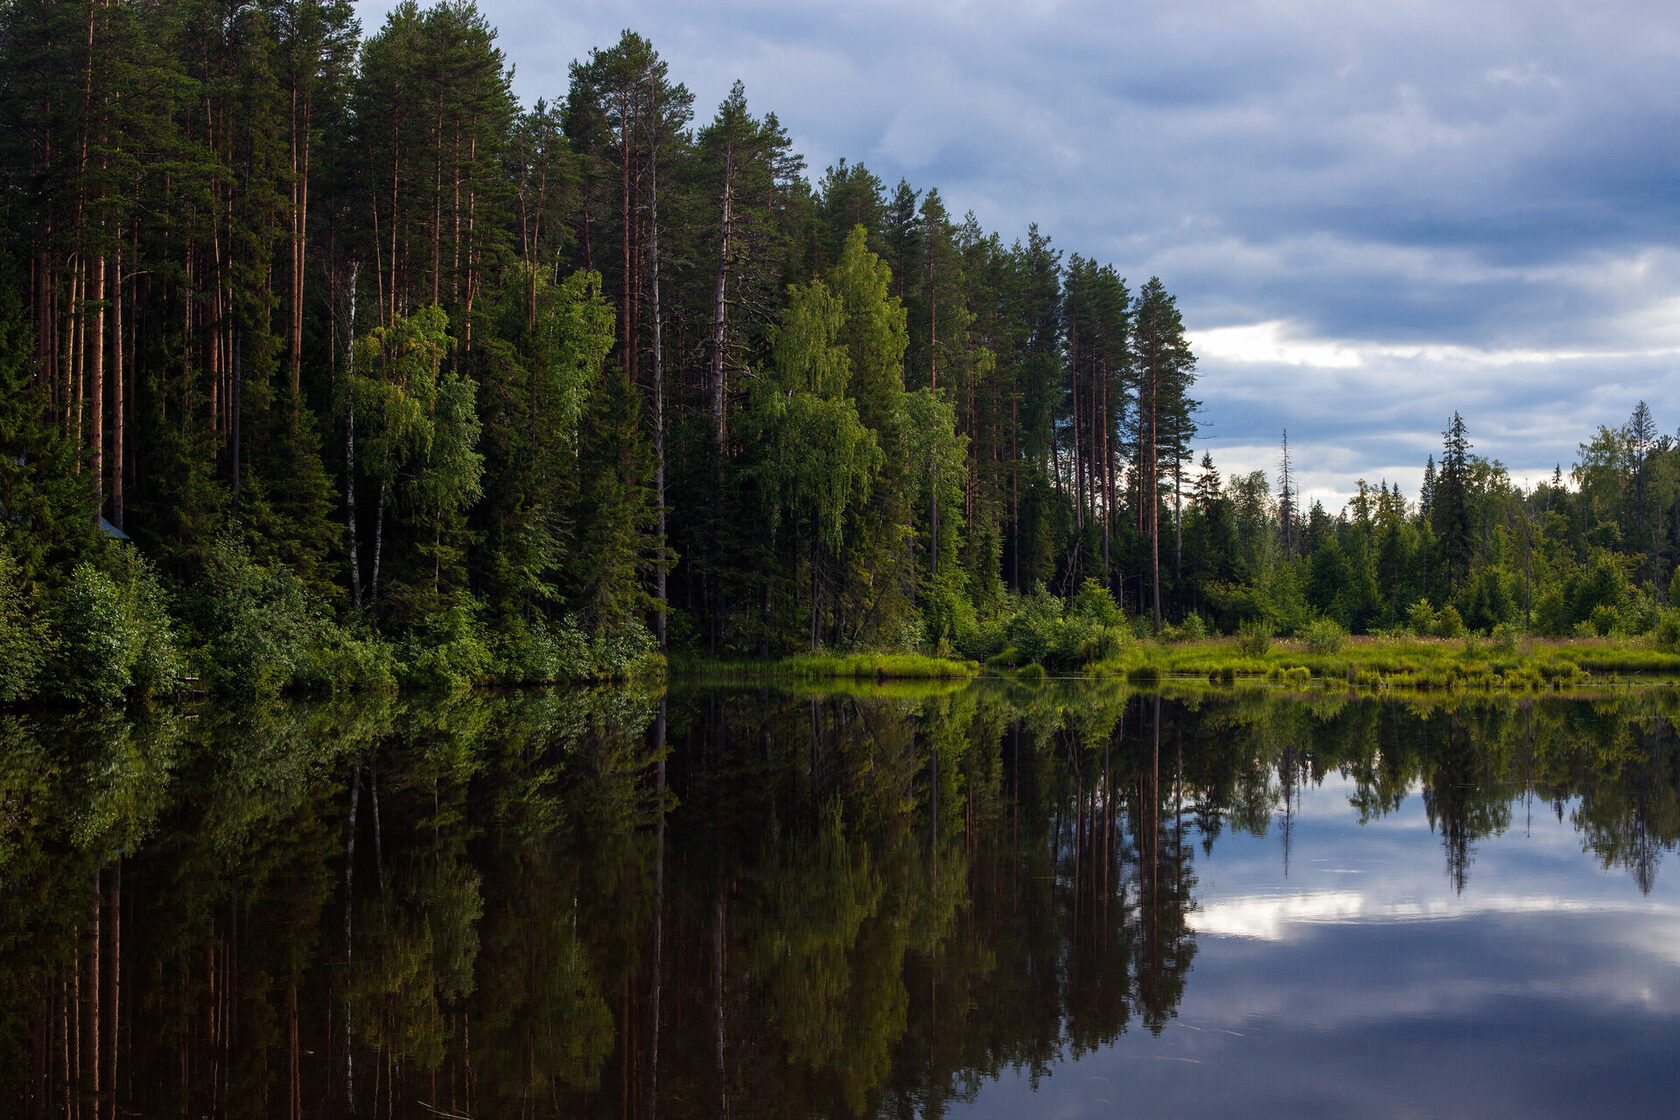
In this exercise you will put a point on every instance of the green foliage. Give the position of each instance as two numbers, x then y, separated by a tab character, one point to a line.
1254	638
1324	635
256	624
449	651
1448	623
46	514
112	636
1043	631
1666	631
343	660
1503	640
22	640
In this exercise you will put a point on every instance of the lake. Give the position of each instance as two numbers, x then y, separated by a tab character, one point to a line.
966	900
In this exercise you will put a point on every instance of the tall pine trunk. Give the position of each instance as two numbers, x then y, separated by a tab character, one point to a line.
350	450
660	564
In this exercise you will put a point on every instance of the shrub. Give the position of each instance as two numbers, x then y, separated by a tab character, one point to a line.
1504	639
989	641
1032	629
1324	635
1667	629
1421	618
625	653
1254	638
22	643
1448	624
1095	603
112	636
448	652
257	623
948	616
341	660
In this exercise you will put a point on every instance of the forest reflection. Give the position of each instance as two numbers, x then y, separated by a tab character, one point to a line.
723	901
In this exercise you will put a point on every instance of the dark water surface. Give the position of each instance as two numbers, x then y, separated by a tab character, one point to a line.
1065	900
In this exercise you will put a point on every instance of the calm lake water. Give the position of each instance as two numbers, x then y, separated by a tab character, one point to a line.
984	900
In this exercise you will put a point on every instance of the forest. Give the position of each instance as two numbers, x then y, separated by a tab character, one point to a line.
326	364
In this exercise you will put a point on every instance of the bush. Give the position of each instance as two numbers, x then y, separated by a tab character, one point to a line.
1420	618
1324	635
948	616
989	641
23	644
112	636
340	660
257	623
1448	624
1032	629
1667	629
1094	602
1504	639
1255	638
449	651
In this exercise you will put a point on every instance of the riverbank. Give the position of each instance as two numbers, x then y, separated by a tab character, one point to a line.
824	666
1383	662
1403	662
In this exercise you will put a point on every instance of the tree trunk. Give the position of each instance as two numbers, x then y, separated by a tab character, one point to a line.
719	387
378	541
119	397
1153	484
96	375
660	563
350	451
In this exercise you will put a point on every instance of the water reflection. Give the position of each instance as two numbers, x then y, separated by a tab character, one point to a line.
752	902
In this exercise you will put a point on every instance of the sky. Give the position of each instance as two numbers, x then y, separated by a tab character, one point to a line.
1371	214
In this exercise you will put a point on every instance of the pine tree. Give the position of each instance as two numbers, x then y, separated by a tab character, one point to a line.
1164	368
1449	512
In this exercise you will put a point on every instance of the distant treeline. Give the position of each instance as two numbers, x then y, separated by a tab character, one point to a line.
390	378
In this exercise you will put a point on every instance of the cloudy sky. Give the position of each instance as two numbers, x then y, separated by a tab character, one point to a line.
1372	214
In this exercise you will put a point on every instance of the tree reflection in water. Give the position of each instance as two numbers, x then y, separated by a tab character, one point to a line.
717	902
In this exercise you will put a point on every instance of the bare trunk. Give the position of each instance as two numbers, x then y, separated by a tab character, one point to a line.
437	195
719	387
1015	495
78	350
717	1004
118	401
349	937
1153	484
660	564
378	541
1107	485
96	375
113	985
658	910
396	150
350	451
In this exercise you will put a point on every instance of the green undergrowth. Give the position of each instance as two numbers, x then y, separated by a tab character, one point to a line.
1405	663
823	666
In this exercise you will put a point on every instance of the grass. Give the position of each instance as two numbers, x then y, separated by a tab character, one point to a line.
825	666
1408	663
1362	664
